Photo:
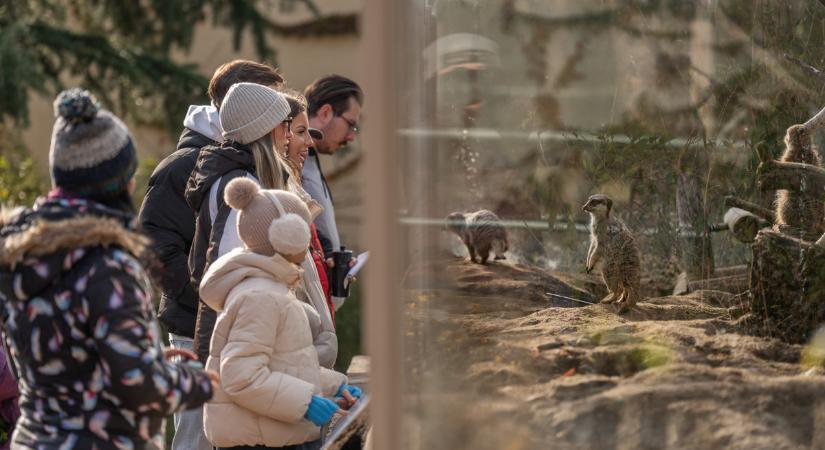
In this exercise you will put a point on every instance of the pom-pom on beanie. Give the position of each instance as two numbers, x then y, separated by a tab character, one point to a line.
249	111
269	220
91	152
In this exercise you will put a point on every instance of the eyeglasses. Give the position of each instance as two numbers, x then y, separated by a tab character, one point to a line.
353	126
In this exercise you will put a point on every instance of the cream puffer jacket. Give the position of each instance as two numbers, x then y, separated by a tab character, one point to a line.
262	349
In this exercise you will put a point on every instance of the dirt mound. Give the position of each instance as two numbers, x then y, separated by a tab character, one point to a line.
675	372
500	279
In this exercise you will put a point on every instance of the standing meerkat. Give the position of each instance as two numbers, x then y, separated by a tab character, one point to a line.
797	213
612	244
481	232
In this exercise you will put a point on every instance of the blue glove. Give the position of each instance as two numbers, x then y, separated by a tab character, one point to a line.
320	410
354	391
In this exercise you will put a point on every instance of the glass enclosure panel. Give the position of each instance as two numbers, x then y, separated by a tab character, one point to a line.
675	112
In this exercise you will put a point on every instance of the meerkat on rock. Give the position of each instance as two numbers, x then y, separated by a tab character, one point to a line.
612	245
481	232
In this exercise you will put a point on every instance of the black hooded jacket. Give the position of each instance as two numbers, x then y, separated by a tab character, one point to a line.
79	321
216	164
169	222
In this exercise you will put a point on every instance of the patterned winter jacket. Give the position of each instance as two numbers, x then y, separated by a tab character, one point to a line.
81	329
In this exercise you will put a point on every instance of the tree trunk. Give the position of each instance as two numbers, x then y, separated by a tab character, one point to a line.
787	285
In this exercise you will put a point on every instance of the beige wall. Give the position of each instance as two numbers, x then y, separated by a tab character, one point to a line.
301	60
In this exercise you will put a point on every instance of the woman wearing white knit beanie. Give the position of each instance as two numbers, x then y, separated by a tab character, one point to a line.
250	115
247	116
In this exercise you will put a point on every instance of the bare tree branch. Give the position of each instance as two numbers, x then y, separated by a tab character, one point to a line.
808	68
816	122
798	177
760	211
762	152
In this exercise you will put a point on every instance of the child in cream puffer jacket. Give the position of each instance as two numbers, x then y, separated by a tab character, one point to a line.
273	392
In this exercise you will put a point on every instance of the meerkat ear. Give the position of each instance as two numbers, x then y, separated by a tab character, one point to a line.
609	203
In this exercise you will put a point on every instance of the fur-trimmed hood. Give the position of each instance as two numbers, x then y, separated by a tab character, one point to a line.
232	268
38	245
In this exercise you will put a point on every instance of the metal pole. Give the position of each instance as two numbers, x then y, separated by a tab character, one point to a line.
382	314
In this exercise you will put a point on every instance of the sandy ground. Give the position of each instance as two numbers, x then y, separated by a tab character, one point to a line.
494	363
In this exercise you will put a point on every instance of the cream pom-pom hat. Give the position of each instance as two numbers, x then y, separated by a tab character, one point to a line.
269	220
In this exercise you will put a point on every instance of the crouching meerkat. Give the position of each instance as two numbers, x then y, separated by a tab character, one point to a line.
612	244
481	232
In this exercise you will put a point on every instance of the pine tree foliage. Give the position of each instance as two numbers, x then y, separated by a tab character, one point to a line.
118	49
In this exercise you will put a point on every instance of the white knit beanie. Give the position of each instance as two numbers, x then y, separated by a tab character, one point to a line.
249	111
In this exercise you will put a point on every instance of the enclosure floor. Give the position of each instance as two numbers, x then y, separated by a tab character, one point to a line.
493	363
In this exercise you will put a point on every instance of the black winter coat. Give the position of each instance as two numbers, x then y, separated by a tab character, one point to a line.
80	325
216	164
169	221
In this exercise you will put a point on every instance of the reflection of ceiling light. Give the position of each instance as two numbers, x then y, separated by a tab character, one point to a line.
562	10
462	66
465	51
433	5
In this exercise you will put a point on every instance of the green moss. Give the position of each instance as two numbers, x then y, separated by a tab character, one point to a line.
614	336
813	355
649	355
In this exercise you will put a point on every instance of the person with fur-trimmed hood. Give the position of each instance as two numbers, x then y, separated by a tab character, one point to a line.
9	399
273	392
77	311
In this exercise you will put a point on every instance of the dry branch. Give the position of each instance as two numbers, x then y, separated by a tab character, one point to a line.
808	68
762	152
734	284
753	208
744	225
798	177
816	122
733	279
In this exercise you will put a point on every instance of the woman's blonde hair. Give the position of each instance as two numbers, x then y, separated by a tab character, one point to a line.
271	171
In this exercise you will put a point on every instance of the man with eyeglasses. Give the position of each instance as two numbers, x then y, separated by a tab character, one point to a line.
334	107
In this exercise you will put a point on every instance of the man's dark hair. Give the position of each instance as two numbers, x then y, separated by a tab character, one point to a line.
333	89
239	71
